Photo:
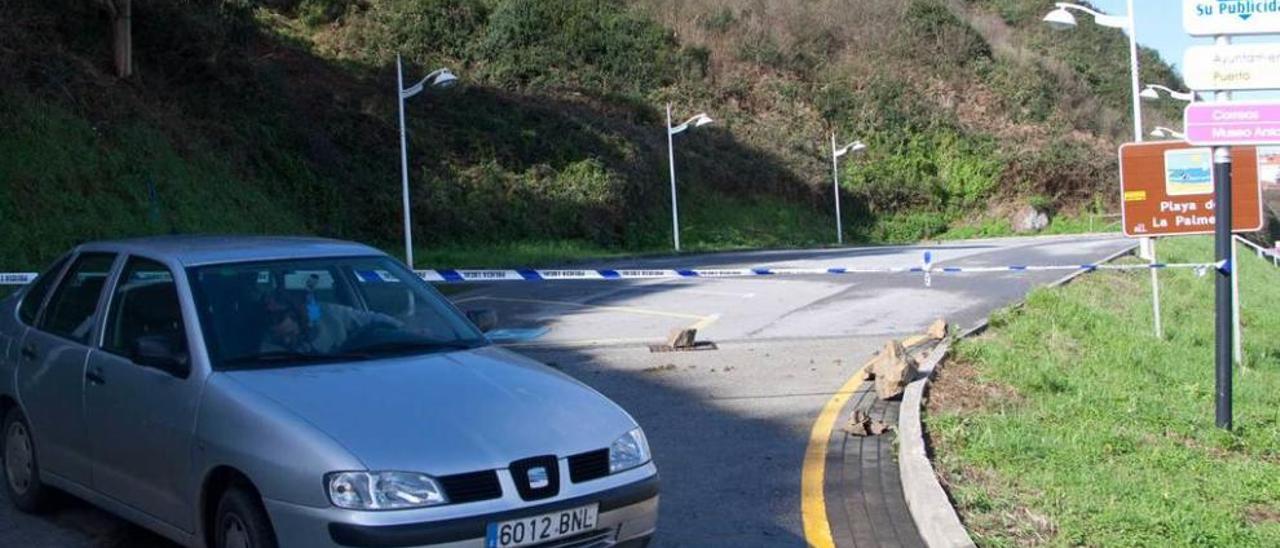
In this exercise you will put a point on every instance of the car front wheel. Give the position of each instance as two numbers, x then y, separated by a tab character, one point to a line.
21	469
242	522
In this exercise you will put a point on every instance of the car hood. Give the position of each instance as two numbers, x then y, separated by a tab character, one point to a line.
445	414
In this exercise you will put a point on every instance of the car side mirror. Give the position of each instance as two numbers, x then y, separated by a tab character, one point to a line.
163	352
485	318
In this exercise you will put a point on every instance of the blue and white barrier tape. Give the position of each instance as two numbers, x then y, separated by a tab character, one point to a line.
927	269
16	278
530	275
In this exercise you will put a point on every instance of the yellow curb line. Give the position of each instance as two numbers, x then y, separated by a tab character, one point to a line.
813	505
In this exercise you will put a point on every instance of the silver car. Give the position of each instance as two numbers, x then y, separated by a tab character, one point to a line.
259	392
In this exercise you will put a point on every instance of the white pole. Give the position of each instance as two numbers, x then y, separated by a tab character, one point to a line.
1133	70
835	177
1155	295
671	154
404	168
1237	336
1146	246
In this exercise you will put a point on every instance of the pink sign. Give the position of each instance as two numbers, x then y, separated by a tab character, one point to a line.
1221	124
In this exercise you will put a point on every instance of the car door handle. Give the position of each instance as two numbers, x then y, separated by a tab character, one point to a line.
28	352
94	376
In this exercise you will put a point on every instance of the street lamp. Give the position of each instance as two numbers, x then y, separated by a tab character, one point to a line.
1163	132
1061	18
836	153
697	121
1152	92
438	79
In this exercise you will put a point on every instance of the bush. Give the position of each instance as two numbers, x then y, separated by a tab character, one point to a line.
935	35
595	44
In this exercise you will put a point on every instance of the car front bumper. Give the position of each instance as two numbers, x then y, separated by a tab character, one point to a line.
628	512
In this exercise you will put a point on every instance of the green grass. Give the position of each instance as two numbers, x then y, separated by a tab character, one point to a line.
510	254
1105	436
995	228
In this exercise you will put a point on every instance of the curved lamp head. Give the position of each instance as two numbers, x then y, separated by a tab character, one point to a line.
443	79
1149	93
697	121
438	79
1060	19
850	148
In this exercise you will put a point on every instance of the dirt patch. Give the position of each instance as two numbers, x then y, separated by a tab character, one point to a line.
959	388
1262	514
999	517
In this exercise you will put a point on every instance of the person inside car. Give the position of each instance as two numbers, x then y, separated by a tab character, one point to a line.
290	329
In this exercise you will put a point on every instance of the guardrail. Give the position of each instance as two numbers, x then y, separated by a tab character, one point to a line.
1263	253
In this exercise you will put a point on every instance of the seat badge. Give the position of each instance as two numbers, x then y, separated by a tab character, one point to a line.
537	477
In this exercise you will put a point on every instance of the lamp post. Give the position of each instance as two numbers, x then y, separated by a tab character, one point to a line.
439	79
1152	92
697	121
1063	18
1164	132
836	153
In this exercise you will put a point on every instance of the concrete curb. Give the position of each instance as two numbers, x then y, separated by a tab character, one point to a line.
935	517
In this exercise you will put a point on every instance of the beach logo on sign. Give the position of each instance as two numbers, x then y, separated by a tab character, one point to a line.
1188	171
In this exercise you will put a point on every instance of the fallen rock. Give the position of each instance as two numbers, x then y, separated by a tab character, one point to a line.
861	424
894	369
938	330
1030	219
682	338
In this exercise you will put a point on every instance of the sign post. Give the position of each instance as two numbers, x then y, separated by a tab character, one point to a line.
1221	69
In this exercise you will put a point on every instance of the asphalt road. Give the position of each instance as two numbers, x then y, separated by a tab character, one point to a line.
729	426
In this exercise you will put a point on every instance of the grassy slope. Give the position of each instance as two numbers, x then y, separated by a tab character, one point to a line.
1090	432
276	120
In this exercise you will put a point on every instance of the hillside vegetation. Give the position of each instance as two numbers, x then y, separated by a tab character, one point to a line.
280	116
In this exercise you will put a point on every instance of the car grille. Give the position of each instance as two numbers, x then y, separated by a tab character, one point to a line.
472	487
591	539
588	466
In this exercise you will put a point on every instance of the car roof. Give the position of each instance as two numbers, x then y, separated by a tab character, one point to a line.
205	250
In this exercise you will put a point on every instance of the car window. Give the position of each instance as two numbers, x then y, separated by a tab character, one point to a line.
71	309
39	289
145	305
296	312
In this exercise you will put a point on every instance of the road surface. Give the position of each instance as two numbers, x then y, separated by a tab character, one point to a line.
728	427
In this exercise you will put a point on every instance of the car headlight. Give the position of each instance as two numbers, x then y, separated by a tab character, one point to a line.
629	451
383	490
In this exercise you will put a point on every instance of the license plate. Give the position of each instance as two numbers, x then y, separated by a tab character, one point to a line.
542	528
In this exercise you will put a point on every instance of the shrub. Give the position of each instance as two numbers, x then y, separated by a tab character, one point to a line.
935	35
599	45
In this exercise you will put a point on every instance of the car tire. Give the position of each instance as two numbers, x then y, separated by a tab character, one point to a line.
21	468
242	522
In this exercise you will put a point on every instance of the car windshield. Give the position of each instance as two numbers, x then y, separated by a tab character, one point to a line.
311	311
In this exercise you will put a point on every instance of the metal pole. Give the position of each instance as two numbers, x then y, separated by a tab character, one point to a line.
1146	246
835	178
1237	339
1155	295
675	212
1133	70
1222	277
404	168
